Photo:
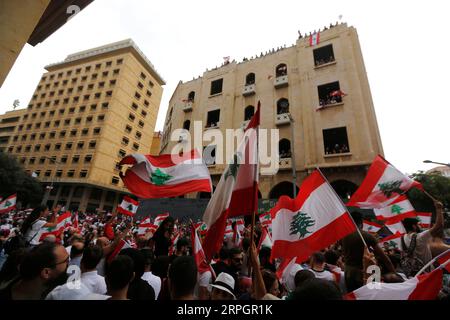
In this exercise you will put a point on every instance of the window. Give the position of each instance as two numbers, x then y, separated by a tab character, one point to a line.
89	119
94	76
209	155
84	132
24	137
62	134
128	128
48	173
98	66
19	148
216	87
138	135
76	99
59	173
146	103
68	73
150	84
47	103
282	106
330	94
116	71
25	117
33	136
187	125
61	111
250	79
108	93
108	63
43	114
75	159
119	61
78	70
74	80
137	95
105	74
86	97
82	109
93	107
101	117
87	158
69	145
47	147
57	146
105	105
148	93
52	77
92	144
47	86
60	92
84	78
51	113
134	106
32	160
143	76
80	88
335	141
10	149
323	55
90	87
141	124
67	122
97	131
43	78
38	105
73	132
213	118
131	117
60	75
77	120
41	160
52	135
80	145
143	113
56	102
284	148
64	159
71	110
101	84
135	146
191	96
42	136
249	112
28	148
70	173
112	82
140	85
83	173
281	70
125	141
33	116
88	68
115	180
121	153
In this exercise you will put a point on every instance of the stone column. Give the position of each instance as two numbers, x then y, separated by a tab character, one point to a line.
69	198
102	199
85	198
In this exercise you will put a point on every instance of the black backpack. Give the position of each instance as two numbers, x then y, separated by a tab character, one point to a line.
409	261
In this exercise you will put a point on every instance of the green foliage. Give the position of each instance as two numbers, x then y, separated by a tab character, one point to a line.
14	179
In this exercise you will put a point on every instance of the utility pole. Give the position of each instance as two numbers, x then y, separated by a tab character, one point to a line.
294	169
48	189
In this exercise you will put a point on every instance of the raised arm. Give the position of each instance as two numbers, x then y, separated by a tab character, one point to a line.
436	230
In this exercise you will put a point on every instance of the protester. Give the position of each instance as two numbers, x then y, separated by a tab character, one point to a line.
89	274
162	237
182	277
223	288
148	276
119	275
33	224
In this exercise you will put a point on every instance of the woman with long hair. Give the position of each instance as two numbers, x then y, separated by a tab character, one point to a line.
35	222
162	237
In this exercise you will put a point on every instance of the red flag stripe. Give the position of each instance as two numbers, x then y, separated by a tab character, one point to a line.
164	160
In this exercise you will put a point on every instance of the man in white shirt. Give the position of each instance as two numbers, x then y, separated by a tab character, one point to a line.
89	276
423	238
153	281
317	266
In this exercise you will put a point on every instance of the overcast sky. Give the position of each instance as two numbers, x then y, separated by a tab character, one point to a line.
405	45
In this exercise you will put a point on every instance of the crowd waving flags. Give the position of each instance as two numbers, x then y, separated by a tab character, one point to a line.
8	204
128	206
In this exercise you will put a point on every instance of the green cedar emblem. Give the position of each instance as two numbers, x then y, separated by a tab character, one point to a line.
233	167
300	223
393	244
396	209
130	208
8	204
388	188
159	178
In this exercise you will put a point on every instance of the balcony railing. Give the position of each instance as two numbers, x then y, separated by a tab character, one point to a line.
249	89
282	119
285	163
281	81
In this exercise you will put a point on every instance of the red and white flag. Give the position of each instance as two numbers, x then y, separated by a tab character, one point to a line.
314	39
160	218
443	260
8	204
422	287
395	227
199	254
312	221
236	192
64	220
237	237
75	222
382	186
123	244
128	206
166	176
146	226
394	241
201	227
424	219
265	240
371	227
265	219
173	246
400	209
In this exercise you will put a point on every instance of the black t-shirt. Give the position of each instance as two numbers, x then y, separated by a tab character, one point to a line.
162	245
353	248
140	290
6	292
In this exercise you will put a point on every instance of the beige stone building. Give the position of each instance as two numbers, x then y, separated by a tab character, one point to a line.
322	87
31	21
87	112
156	144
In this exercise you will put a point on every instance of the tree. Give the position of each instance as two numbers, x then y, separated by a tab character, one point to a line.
300	223
14	179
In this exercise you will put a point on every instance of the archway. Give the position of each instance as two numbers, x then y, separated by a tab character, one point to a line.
284	188
344	188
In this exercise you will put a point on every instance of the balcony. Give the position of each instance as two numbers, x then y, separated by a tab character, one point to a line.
249	89
282	119
281	82
285	163
188	106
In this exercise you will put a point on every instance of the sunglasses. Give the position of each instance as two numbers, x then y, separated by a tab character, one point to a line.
65	261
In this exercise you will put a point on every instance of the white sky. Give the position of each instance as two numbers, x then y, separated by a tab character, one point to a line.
405	46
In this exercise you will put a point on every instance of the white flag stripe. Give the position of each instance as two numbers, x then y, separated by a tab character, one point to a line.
125	205
322	200
387	211
387	291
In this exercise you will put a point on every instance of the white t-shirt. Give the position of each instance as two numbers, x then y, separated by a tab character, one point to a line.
94	282
288	278
422	250
324	275
33	232
101	267
154	281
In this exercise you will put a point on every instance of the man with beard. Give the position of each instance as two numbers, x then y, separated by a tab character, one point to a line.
42	269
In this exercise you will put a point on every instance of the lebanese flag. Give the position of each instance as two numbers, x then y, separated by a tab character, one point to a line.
314	39
444	260
286	266
394	241
128	206
422	287
236	192
382	186
146	226
166	176
315	219
371	227
199	254
265	219
395	227
173	246
265	240
228	230
424	219
8	204
120	246
400	209
62	221
200	227
75	222
160	218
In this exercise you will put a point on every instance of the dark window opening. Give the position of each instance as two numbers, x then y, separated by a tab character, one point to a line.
284	148
216	86
213	118
187	125
250	79
249	112
191	96
282	106
323	55
281	70
330	93
115	180
335	141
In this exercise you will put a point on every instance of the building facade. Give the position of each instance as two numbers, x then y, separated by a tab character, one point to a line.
87	112
316	95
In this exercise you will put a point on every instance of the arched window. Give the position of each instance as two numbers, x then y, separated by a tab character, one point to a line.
281	70
249	112
284	188
282	106
250	79
284	148
187	124
191	96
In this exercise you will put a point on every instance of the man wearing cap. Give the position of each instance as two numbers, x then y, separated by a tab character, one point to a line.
223	287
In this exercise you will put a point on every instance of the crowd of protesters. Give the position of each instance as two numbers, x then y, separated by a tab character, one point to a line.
85	263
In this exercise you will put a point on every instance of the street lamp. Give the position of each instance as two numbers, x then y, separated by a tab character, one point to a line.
443	164
49	188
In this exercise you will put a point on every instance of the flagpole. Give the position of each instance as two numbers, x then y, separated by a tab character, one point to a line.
342	202
432	261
